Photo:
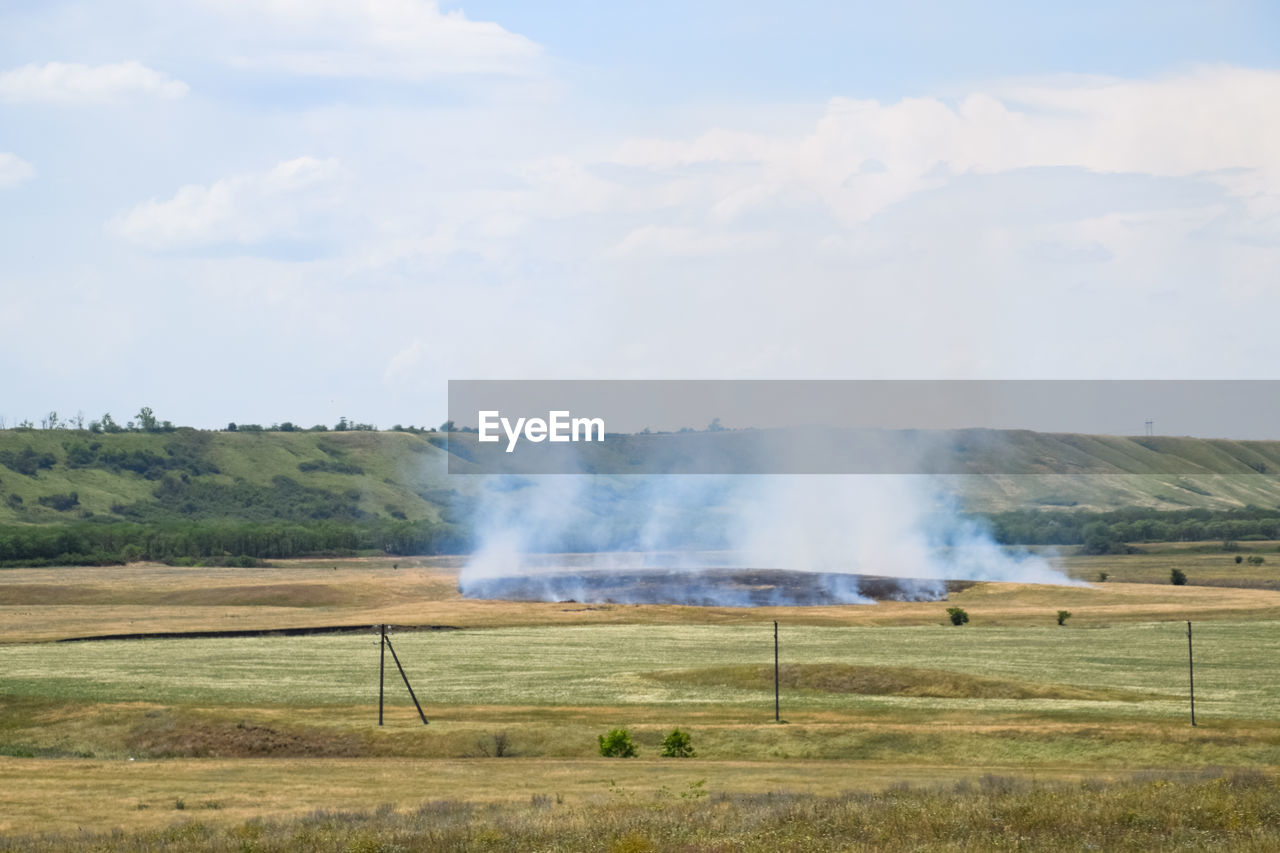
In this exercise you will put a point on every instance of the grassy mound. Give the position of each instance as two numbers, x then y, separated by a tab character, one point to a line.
164	734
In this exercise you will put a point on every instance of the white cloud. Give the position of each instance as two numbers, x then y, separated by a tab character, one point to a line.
388	39
1209	120
402	366
287	203
659	241
69	82
14	170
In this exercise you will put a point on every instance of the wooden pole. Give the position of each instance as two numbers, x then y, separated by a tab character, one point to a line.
777	714
396	658
382	666
1191	674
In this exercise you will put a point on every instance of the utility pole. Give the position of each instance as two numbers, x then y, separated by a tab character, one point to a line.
384	643
407	685
777	714
1191	674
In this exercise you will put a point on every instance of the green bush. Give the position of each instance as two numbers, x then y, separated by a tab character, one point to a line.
61	503
678	744
27	462
1239	559
958	616
1102	577
1256	560
1177	577
617	744
1063	616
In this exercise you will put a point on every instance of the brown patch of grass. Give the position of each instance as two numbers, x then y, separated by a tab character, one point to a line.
50	604
244	595
165	734
888	681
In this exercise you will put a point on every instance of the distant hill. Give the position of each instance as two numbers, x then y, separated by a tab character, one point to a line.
51	476
190	474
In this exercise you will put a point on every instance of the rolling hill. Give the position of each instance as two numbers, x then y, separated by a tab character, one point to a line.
52	476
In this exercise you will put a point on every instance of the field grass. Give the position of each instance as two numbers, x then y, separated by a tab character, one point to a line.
58	603
244	729
1235	811
1205	564
630	664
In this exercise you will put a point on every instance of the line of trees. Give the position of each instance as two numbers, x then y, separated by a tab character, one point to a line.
1107	532
146	421
89	543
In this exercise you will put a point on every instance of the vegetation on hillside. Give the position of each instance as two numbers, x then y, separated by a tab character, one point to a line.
109	493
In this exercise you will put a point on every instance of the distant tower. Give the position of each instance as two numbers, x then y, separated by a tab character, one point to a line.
1151	426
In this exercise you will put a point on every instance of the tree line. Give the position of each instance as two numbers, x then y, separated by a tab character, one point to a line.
147	421
1113	531
97	544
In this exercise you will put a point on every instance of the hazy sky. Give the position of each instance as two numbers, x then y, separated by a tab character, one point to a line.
266	210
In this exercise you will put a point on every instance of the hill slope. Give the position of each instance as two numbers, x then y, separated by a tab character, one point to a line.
200	475
50	476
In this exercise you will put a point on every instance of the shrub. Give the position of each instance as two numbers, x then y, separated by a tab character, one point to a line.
1063	616
1177	577
1102	577
61	503
1239	559
495	745
678	744
617	744
27	462
958	616
1256	560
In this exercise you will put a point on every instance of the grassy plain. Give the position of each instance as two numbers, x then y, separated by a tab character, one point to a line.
236	729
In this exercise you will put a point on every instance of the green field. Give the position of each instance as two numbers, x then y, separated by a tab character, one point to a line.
624	665
207	743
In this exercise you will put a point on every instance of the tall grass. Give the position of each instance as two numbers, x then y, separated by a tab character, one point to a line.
1239	812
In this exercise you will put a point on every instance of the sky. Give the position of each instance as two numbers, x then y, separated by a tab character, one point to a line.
307	209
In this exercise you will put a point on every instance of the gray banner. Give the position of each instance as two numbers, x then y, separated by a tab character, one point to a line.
1006	427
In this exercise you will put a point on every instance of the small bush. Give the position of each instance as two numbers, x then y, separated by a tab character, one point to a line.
678	744
958	616
1177	577
1256	560
61	503
1063	616
617	744
1239	559
1102	577
495	745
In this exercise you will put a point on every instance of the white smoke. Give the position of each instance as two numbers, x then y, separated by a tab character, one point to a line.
906	527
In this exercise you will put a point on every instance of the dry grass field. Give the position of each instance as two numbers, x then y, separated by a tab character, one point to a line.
228	731
58	603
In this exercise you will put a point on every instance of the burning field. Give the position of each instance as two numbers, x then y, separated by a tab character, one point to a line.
704	587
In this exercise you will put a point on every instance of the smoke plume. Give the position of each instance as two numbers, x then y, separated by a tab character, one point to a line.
672	538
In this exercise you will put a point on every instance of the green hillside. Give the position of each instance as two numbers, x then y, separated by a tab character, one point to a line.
69	497
52	476
258	476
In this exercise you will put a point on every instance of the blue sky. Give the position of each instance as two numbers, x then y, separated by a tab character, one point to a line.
288	210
